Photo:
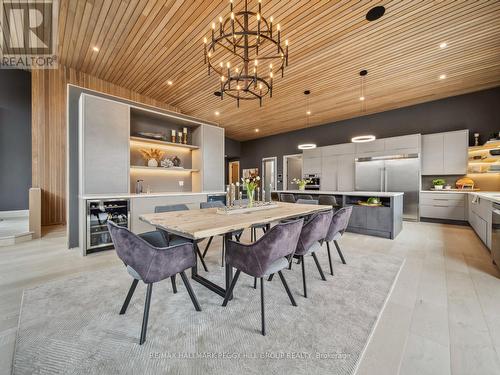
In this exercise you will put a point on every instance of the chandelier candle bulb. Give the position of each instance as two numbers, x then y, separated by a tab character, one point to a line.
220	25
231	4
260	6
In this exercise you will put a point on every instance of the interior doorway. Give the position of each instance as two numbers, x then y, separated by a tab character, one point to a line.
234	172
292	168
269	172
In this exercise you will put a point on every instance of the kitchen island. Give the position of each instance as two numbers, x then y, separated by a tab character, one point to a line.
381	221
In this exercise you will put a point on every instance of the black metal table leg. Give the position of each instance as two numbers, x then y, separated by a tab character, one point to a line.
229	269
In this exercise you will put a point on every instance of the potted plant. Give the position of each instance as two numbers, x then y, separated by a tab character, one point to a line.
438	183
250	184
301	182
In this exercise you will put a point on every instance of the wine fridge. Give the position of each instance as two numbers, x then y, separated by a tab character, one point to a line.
98	214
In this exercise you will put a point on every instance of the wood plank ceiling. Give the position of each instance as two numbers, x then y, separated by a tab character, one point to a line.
145	43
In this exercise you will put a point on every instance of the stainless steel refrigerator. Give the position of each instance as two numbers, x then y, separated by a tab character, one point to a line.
397	173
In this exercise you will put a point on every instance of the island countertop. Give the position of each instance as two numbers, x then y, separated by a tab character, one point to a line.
379	194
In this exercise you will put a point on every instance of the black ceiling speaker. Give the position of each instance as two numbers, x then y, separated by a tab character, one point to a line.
307	92
375	13
363	73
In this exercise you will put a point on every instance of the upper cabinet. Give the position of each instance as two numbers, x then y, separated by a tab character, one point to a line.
445	153
311	161
370	148
104	146
407	144
209	159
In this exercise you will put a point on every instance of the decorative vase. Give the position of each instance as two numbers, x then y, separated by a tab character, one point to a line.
176	161
152	163
302	187
250	196
438	187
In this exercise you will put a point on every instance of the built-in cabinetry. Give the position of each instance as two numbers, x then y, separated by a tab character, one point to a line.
445	153
104	146
480	217
311	161
444	206
337	167
407	144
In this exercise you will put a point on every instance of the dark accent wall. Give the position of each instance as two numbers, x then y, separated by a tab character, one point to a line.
15	139
479	112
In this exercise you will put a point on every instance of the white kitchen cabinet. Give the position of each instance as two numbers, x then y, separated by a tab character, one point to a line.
447	206
329	173
455	152
370	148
345	172
445	153
311	166
104	146
407	144
340	149
212	159
312	153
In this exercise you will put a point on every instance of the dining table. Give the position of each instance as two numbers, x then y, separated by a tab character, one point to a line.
199	224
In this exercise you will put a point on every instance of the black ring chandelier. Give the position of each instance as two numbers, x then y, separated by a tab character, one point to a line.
245	53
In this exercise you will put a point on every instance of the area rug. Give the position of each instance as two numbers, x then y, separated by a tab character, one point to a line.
72	326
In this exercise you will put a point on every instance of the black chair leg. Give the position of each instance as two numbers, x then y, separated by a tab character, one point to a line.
270	277
174	287
292	300
146	314
231	287
329	256
263	317
190	291
129	296
319	267
340	252
206	247
303	275
223	252
201	257
255	283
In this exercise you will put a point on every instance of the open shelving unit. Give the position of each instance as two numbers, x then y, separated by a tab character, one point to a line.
157	142
481	160
162	170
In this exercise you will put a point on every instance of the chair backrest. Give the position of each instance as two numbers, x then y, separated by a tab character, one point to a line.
339	223
306	201
212	204
328	200
278	242
287	197
313	231
151	263
171	207
305	196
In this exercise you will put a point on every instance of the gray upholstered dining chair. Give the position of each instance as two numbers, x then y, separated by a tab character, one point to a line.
173	239
305	196
237	234
313	231
287	197
268	255
328	200
151	264
306	201
254	227
338	225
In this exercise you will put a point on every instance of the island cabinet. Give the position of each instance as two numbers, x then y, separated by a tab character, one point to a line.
445	153
104	146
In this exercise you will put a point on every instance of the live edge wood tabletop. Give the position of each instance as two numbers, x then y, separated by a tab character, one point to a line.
203	223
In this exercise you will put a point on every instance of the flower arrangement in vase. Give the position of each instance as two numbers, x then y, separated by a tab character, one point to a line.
152	156
250	184
301	182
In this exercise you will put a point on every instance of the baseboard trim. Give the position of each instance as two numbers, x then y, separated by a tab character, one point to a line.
17	213
444	221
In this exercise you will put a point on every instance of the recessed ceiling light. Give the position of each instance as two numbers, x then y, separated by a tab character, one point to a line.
170	83
217	113
443	45
95	49
257	130
375	13
361	98
307	146
308	112
363	139
442	76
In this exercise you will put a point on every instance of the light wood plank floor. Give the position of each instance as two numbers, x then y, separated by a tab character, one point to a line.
443	316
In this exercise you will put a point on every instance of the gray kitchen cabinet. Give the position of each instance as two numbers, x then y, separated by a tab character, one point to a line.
446	206
212	158
104	146
370	148
480	217
379	218
340	149
329	173
445	153
405	142
345	172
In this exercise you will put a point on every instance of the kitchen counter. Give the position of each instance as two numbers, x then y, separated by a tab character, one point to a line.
353	193
149	195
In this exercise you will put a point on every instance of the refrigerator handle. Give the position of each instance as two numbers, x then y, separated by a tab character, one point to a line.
382	179
385	179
